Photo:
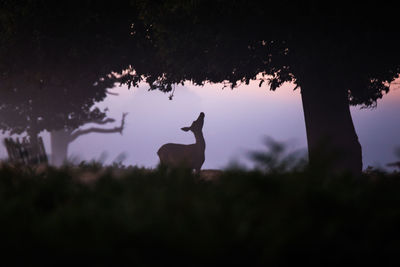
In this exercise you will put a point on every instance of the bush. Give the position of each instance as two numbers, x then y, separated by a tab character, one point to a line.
155	217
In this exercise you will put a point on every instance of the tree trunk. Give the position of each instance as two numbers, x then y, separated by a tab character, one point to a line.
332	139
32	153
59	146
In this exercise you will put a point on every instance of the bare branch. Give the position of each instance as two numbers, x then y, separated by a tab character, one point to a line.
100	122
94	130
100	130
123	121
108	120
108	92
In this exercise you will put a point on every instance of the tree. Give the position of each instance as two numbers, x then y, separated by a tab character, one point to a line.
60	139
339	55
56	62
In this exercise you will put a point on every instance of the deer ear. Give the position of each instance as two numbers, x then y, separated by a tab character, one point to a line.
185	129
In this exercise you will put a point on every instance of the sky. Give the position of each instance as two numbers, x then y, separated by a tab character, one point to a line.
236	122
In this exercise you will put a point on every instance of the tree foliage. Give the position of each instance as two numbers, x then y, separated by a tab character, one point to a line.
350	47
56	61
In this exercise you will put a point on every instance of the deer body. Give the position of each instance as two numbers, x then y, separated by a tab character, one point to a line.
190	156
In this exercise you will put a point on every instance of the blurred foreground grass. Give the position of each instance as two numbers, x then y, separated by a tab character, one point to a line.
117	215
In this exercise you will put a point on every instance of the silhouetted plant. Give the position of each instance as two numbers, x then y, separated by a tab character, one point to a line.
395	164
277	158
250	218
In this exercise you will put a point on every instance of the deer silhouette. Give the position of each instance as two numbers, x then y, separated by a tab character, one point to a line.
188	156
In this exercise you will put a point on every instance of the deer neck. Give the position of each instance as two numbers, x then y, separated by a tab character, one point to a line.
200	140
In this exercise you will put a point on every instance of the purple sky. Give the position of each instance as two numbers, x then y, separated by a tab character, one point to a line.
236	121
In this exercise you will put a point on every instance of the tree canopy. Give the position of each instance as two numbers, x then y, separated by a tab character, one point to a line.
56	60
355	47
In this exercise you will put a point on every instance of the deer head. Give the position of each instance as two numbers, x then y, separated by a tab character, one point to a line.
197	125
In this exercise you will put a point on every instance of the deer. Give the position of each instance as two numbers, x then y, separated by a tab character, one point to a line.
188	156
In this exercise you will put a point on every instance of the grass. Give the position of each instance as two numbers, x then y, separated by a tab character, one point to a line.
153	217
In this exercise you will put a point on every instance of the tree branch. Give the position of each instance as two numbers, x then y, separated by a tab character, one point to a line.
100	130
108	120
108	92
100	122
